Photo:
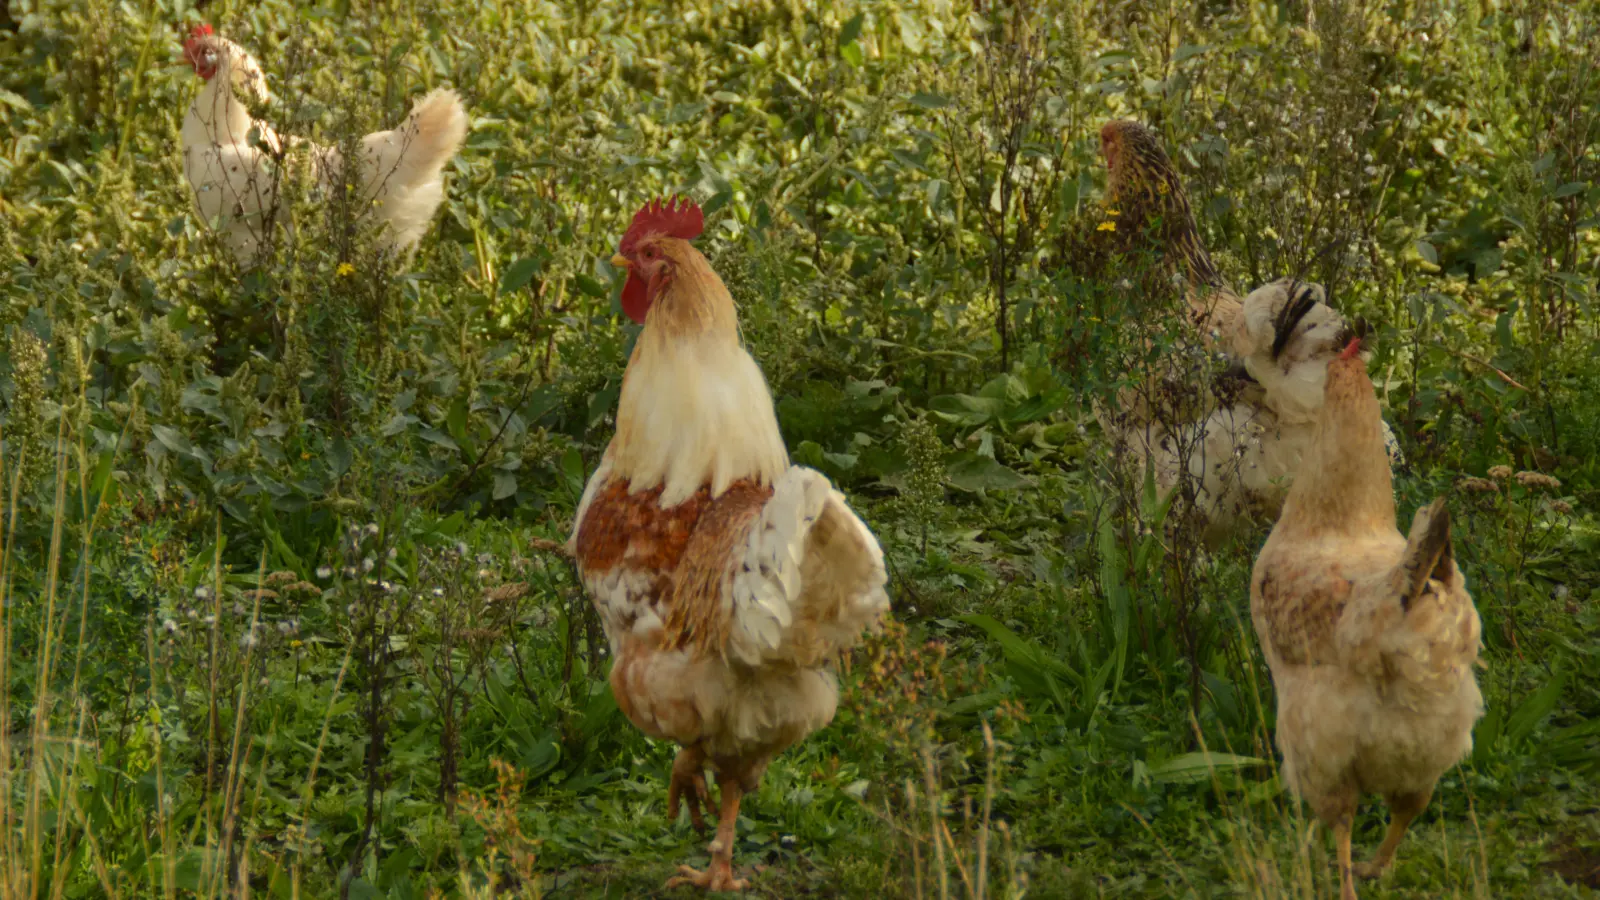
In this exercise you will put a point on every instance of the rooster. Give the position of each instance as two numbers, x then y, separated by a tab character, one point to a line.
727	579
229	156
1370	636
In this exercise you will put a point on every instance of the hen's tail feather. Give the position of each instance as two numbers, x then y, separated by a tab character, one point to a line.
400	169
432	134
1302	299
1429	554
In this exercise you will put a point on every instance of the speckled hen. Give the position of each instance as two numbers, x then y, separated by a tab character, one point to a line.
727	579
1240	446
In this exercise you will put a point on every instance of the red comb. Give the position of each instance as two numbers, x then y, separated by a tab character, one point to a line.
678	217
1352	349
196	33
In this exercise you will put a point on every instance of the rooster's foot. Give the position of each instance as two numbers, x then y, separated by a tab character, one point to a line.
689	784
717	877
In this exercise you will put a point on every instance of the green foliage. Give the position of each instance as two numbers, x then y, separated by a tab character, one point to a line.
280	604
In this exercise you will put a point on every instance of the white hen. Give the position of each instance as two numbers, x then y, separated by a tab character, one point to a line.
230	158
1245	455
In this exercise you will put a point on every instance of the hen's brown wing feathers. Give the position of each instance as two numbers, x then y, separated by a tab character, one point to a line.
1302	611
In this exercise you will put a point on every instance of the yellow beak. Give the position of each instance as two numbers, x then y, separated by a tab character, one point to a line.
620	261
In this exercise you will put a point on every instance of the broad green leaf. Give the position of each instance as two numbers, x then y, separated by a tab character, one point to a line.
1199	766
1535	709
966	409
439	438
339	455
847	34
519	274
172	439
972	472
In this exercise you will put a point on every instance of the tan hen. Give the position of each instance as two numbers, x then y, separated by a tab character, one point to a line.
1371	637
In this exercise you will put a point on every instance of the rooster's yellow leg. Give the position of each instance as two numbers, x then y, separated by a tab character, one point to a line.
719	875
1403	808
689	783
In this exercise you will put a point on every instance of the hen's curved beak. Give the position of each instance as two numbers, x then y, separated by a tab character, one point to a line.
621	261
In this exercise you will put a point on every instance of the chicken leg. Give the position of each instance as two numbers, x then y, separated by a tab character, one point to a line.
689	782
719	875
1403	808
1341	843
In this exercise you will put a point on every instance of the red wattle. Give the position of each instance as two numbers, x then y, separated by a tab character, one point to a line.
635	300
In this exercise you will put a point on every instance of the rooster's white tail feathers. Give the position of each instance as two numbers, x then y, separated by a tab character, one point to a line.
811	577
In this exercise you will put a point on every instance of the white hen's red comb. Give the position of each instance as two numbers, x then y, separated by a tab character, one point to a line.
196	34
678	217
1352	349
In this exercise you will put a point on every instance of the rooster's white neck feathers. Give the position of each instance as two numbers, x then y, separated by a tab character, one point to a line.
695	410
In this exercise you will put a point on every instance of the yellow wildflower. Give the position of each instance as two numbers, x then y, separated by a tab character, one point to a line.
1107	225
345	270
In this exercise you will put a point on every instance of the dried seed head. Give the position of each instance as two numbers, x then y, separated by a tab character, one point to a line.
1538	481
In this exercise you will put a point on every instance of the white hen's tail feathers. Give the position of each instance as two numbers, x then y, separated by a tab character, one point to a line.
808	579
401	169
418	150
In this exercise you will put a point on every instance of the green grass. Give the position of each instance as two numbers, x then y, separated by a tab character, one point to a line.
280	612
